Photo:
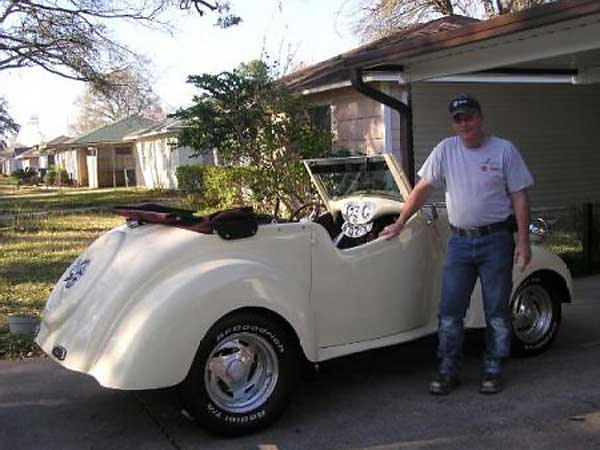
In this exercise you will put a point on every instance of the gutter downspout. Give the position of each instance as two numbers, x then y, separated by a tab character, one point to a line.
406	120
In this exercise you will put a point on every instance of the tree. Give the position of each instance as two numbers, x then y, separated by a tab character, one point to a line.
7	124
71	38
380	18
132	93
249	117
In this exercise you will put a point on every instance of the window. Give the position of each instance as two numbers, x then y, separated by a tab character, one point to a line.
321	117
123	151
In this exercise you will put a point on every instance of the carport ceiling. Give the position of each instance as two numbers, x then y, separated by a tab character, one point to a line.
572	44
574	61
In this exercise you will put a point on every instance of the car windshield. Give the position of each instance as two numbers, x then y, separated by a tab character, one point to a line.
344	177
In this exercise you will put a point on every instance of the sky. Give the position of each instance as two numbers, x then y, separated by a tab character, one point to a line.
314	29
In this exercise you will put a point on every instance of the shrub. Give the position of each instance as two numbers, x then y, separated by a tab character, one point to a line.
26	176
58	176
208	187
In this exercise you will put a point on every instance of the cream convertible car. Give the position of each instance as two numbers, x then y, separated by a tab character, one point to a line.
227	307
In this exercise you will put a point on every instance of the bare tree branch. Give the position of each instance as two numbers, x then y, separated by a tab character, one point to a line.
378	18
131	93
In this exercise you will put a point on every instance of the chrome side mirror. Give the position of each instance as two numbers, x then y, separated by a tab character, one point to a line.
430	213
538	230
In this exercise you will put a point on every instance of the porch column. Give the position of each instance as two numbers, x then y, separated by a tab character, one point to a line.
114	174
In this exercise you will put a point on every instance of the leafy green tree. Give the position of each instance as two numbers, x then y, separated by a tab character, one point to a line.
7	124
251	119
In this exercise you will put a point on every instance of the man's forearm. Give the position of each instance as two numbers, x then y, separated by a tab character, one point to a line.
416	199
520	201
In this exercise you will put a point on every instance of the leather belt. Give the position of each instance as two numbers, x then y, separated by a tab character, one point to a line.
508	224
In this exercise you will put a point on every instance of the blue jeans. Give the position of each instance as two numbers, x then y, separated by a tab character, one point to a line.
490	258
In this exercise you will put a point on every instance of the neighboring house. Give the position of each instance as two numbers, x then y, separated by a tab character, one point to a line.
537	74
12	160
103	157
30	158
48	151
8	163
157	155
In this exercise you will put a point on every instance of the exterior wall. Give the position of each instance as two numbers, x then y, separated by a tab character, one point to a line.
8	166
156	162
111	166
27	163
357	121
67	159
555	127
392	121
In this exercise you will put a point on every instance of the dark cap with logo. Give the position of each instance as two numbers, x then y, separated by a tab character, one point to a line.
462	104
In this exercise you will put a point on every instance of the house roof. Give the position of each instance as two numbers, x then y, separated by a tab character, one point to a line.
112	133
62	139
454	31
30	152
166	126
21	152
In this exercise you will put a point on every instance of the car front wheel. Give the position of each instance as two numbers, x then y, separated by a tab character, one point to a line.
242	375
536	315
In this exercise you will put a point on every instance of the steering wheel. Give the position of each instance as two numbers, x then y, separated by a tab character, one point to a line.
309	210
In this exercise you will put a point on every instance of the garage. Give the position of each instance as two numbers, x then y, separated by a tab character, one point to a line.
536	73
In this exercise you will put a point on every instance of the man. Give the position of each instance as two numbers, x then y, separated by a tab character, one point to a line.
486	183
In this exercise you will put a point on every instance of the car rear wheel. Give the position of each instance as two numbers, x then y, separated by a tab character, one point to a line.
242	375
536	315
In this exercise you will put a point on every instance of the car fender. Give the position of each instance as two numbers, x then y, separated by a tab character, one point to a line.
544	260
153	342
541	261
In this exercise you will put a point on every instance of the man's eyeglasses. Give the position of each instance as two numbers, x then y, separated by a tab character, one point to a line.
463	117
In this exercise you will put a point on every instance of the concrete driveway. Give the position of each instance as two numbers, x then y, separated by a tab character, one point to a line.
375	401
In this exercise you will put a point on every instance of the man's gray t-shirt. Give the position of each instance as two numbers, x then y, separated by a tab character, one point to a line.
478	181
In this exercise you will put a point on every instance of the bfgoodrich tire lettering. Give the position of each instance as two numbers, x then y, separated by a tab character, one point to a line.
242	374
536	316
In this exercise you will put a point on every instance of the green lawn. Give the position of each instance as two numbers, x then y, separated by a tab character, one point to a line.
33	258
36	249
27	199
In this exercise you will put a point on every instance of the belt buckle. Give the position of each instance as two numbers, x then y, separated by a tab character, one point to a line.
475	232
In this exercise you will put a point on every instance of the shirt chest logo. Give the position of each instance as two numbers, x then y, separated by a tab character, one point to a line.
489	167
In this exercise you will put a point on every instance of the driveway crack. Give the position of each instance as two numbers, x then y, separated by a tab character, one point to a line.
159	424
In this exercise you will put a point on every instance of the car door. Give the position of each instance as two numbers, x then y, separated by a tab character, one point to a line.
378	289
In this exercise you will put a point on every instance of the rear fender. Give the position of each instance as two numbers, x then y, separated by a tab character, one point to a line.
542	261
154	340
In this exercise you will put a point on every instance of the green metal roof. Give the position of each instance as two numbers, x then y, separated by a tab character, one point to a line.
114	132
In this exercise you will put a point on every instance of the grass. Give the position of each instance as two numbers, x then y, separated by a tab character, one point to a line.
36	249
28	199
568	246
33	258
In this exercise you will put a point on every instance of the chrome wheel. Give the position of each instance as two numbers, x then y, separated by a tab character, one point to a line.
532	313
241	372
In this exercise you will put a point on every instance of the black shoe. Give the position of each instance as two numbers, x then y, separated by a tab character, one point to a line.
491	383
443	384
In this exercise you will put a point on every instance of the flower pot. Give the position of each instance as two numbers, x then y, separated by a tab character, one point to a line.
22	324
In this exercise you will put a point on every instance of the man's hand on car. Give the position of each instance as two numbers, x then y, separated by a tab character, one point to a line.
393	230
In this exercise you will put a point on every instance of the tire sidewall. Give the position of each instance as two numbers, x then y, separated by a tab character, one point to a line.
520	348
221	421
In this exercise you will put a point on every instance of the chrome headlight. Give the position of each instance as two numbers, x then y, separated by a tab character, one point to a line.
538	229
76	271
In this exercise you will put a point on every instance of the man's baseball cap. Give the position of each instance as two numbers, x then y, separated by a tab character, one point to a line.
462	104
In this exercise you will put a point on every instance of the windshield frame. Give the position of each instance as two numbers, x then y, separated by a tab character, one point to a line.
392	164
